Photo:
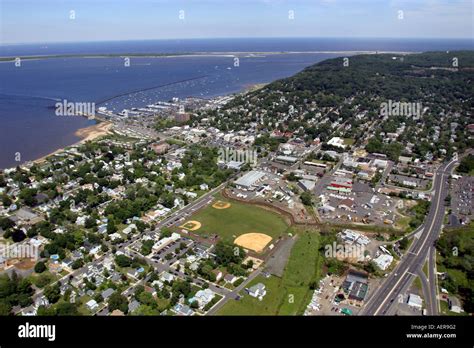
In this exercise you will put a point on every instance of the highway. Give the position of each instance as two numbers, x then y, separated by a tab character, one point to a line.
411	264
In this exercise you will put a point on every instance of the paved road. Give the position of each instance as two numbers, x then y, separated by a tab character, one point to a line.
401	278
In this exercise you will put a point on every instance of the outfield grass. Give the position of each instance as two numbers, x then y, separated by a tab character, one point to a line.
237	220
290	294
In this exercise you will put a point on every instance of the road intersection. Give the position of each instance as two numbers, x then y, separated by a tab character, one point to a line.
396	284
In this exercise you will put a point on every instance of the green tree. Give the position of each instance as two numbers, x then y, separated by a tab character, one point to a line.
40	267
306	198
66	309
118	301
123	261
53	293
111	228
5	308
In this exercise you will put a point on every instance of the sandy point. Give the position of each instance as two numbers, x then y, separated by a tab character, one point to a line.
94	131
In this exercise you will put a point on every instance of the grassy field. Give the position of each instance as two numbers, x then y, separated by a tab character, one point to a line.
252	306
303	267
349	141
238	219
417	283
290	294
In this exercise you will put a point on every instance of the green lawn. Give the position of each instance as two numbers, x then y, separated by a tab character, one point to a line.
417	283
252	306
349	141
46	277
290	294
238	219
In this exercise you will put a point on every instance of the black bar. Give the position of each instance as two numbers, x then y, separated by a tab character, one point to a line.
243	331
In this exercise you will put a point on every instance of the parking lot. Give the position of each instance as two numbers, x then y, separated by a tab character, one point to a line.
360	206
461	198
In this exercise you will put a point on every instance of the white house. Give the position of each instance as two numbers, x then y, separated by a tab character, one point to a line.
165	276
129	228
92	305
258	291
230	278
203	297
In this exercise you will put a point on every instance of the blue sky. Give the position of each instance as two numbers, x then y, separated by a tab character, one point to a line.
99	20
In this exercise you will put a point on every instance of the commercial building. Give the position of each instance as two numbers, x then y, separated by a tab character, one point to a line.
415	301
248	180
341	184
307	185
286	159
383	261
165	241
351	237
356	285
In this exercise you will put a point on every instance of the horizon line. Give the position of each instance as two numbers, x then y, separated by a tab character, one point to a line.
242	38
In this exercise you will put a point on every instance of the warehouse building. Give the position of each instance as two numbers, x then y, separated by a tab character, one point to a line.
248	181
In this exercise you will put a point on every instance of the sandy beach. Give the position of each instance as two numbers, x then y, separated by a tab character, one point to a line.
94	131
86	134
253	87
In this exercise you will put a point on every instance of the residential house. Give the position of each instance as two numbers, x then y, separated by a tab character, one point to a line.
258	291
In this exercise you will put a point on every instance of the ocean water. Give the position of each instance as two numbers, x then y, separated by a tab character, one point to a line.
29	126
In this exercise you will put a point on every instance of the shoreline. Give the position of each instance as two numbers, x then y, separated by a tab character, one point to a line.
254	54
254	87
89	133
103	127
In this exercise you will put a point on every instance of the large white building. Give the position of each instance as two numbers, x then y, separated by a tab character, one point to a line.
415	301
337	142
248	180
383	261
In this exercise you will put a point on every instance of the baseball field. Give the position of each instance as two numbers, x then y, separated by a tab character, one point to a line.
249	226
